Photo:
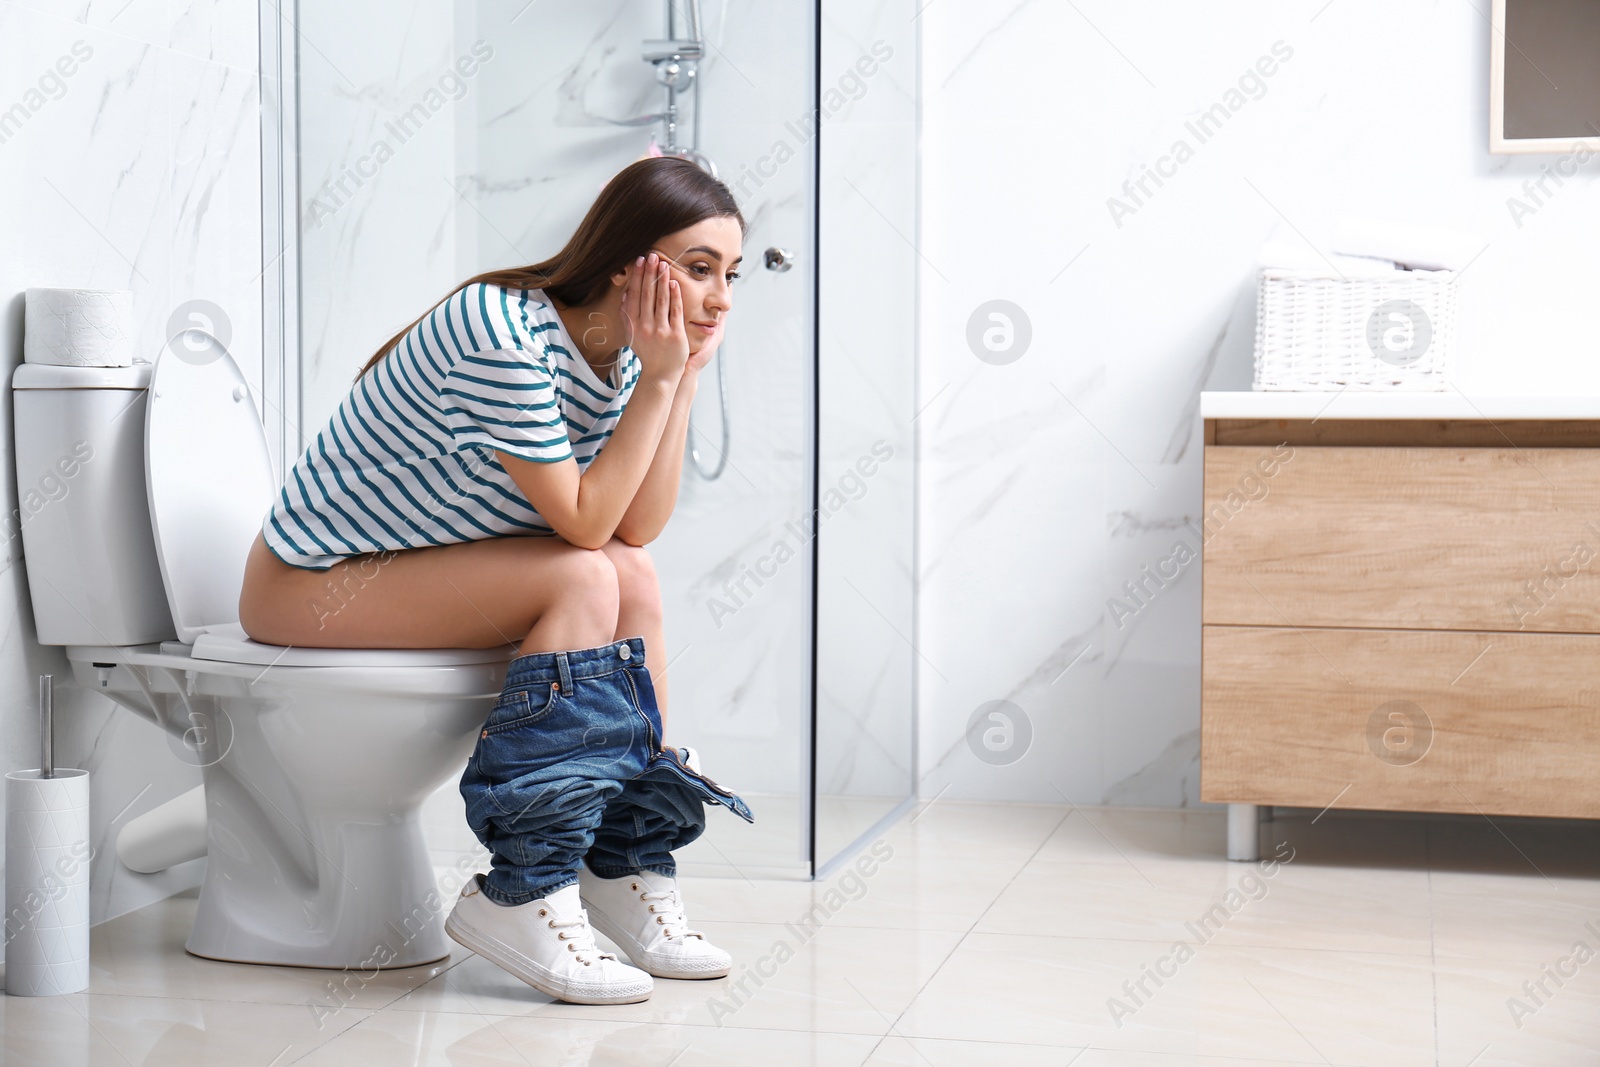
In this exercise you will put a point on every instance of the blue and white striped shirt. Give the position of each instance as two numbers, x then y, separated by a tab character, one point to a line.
409	459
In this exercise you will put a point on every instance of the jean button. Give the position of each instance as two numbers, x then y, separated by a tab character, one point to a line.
625	652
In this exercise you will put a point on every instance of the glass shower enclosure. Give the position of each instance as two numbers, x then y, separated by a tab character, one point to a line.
411	145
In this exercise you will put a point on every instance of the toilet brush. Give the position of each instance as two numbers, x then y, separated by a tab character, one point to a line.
47	872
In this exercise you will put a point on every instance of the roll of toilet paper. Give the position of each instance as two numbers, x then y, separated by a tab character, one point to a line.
47	883
78	327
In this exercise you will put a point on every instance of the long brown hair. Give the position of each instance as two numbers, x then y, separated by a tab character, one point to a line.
642	203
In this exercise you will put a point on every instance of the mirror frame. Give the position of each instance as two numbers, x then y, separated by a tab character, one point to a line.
1499	144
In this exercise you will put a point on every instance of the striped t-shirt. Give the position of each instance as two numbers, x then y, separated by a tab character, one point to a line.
409	459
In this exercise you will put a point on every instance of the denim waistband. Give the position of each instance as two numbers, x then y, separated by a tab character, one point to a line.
563	667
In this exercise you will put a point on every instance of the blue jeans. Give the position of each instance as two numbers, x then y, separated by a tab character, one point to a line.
569	768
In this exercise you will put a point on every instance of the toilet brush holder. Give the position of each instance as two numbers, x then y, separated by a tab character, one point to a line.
47	873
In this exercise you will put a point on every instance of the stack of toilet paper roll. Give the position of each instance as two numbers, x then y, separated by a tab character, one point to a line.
78	327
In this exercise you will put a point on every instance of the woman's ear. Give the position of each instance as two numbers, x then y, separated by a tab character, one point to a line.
620	278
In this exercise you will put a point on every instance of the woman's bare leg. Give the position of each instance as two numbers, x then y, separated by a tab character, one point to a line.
541	593
639	612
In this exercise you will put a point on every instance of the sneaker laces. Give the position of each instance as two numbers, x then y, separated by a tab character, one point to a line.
581	941
671	915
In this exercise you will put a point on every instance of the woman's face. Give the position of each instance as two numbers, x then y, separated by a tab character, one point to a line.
705	259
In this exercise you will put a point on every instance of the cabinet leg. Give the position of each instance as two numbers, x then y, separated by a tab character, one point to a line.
1244	832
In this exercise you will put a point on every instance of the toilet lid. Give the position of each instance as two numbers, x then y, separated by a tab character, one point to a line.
209	480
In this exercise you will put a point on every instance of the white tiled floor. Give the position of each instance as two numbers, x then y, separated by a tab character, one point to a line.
991	934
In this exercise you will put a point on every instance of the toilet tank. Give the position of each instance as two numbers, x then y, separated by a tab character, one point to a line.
83	516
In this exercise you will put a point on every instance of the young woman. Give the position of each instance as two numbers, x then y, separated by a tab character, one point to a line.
492	478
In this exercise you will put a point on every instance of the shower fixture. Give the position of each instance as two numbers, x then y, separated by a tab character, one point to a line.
677	64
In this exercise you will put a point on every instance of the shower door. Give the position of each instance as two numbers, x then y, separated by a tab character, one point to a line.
436	139
864	771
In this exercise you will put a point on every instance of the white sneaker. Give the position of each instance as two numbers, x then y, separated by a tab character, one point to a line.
546	943
644	915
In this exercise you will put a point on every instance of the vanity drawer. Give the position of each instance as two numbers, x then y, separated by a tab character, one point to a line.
1412	537
1492	723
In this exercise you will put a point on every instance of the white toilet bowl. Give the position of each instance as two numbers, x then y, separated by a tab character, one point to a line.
315	761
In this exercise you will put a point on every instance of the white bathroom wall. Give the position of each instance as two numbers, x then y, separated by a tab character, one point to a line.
1050	480
130	159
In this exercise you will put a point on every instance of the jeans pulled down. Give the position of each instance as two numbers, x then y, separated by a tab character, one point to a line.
569	768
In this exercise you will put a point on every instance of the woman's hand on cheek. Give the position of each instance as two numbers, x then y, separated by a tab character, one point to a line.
698	360
652	309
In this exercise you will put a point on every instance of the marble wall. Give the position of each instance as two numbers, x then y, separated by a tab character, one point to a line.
129	159
382	107
1054	471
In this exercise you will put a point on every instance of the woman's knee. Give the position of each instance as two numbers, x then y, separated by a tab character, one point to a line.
638	588
589	581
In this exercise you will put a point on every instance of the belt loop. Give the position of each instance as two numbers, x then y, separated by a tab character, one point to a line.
565	672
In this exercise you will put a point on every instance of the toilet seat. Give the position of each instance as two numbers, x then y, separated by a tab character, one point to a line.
230	644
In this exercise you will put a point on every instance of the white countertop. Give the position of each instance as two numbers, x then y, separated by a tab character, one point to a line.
1368	404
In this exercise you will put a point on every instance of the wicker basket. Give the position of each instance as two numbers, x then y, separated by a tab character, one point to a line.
1317	331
